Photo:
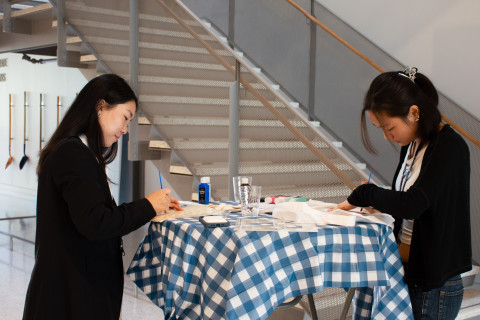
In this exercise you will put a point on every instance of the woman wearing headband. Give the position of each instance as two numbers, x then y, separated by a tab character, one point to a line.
430	196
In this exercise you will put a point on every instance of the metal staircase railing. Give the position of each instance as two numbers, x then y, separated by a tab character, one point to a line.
246	84
267	118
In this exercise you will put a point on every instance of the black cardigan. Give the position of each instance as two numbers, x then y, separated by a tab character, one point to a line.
78	272
439	201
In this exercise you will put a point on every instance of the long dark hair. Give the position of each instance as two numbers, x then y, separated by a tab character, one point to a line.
81	117
393	93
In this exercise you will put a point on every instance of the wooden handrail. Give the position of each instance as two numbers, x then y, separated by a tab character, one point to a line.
374	65
461	131
336	36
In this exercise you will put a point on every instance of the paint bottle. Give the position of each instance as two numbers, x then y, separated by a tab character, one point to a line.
244	182
298	199
290	199
271	199
281	199
204	190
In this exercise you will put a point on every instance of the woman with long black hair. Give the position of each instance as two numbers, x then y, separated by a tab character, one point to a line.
78	272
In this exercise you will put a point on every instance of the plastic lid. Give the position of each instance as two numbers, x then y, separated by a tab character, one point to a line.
244	181
205	180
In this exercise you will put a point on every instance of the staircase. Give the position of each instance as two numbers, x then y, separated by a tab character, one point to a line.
185	94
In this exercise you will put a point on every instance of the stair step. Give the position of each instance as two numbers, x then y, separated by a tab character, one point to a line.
471	297
151	67
86	58
206	101
152	50
475	270
153	34
332	193
469	277
87	8
213	128
182	170
268	167
221	122
152	13
206	144
219	129
191	82
74	40
470	313
179	86
269	174
212	150
32	12
205	107
159	86
470	303
169	68
158	144
143	121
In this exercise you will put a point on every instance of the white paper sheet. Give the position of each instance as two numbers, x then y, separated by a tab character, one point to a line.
319	212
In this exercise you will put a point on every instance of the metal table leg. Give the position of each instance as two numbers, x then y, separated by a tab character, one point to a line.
348	302
313	309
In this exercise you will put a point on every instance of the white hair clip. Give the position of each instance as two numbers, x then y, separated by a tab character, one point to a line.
409	73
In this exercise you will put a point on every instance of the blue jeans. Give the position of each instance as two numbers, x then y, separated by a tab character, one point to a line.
441	303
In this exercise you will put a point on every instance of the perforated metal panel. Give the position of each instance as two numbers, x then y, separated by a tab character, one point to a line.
328	303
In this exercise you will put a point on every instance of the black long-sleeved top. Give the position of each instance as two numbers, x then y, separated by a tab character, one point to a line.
439	201
78	272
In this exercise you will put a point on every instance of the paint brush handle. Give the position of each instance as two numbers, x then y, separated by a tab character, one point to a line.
41	120
10	124
25	120
369	177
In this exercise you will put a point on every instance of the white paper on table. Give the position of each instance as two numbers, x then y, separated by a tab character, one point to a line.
194	210
318	212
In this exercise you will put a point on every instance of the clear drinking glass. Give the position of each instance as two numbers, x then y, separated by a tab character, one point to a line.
237	181
250	200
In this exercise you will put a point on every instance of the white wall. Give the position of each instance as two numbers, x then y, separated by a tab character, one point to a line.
439	37
18	188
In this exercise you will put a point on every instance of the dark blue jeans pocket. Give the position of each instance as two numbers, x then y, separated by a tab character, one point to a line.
442	303
450	300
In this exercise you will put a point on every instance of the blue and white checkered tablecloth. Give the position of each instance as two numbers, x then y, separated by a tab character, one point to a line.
193	272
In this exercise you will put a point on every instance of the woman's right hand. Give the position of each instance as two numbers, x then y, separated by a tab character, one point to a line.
160	200
345	205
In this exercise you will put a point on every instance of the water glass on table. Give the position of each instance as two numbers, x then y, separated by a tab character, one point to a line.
237	181
250	200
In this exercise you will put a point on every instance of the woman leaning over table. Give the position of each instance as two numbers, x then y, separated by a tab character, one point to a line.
430	196
78	272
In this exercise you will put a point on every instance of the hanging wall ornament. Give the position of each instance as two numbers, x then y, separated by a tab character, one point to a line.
24	158
42	105
59	105
10	106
